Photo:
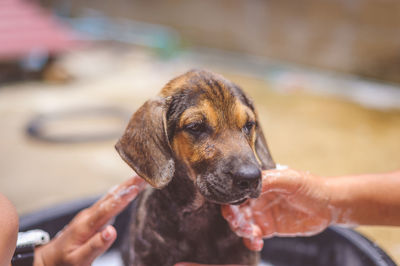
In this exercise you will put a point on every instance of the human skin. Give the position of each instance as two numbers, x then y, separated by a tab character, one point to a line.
371	199
295	203
87	236
9	230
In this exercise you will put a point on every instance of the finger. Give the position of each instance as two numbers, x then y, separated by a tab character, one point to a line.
274	214
236	218
254	240
113	203
247	229
240	220
232	215
95	246
227	213
254	243
283	181
122	190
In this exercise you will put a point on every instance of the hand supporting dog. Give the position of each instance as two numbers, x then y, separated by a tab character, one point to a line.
87	236
294	203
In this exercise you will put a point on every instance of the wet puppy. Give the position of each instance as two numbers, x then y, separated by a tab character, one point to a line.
200	145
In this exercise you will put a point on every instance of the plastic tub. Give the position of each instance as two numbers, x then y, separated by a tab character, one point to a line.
333	247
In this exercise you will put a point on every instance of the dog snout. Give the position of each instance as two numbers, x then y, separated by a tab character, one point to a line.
247	177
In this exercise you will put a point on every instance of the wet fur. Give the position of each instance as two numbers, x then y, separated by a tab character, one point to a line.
181	219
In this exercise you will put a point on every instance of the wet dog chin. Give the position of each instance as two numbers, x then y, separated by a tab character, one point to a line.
233	199
224	202
223	199
214	194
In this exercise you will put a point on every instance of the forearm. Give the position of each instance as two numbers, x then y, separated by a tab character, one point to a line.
372	199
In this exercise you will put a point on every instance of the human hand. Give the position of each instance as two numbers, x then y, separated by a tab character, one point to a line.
87	236
292	203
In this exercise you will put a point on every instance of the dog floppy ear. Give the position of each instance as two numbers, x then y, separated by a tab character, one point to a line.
262	149
144	145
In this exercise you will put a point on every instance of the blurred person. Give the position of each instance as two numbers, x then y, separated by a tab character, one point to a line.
295	203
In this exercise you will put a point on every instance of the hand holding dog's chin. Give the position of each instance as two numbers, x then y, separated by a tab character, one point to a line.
292	203
87	236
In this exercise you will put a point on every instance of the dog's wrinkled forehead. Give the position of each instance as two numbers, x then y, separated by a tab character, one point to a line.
199	86
200	82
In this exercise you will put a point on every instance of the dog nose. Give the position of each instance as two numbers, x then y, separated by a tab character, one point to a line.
247	177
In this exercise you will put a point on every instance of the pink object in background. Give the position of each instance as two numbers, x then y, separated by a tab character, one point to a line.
26	28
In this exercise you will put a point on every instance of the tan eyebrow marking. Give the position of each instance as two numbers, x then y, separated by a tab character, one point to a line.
243	114
204	112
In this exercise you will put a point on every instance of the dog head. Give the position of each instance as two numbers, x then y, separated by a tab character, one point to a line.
209	125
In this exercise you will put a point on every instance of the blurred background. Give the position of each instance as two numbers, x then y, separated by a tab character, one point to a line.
325	77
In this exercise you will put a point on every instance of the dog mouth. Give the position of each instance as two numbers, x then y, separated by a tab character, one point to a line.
227	202
238	202
253	195
216	195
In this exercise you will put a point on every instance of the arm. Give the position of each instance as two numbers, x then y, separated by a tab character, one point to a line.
372	199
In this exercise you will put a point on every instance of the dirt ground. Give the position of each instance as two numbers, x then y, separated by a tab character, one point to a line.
324	135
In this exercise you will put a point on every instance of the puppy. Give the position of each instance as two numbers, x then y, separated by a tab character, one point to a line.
199	144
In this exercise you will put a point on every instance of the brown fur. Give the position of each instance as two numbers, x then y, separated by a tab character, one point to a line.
200	143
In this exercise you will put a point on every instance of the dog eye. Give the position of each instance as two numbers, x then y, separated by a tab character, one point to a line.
195	128
248	127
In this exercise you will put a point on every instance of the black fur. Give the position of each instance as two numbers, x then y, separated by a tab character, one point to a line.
174	232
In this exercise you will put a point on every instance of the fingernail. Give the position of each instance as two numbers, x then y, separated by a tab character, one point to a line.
106	233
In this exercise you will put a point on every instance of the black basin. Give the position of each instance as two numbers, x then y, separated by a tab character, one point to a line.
333	247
